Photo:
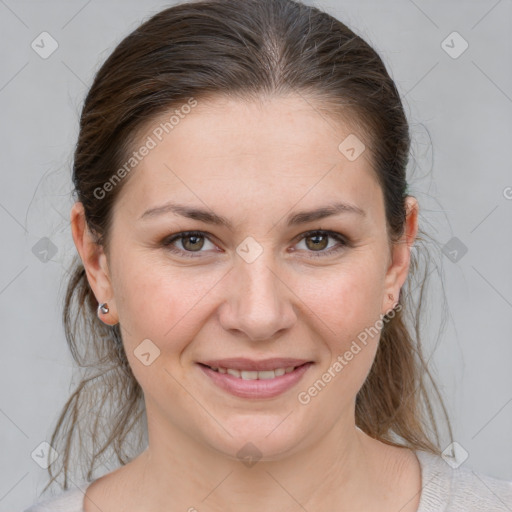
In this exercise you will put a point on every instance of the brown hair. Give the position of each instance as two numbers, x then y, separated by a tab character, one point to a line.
244	49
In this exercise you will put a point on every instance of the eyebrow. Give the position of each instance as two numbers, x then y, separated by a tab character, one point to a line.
293	219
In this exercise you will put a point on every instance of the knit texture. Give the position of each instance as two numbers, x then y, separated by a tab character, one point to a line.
444	489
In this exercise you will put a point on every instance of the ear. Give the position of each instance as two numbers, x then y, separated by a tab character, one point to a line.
94	261
401	256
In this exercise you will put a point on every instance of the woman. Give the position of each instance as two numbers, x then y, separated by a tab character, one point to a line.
245	235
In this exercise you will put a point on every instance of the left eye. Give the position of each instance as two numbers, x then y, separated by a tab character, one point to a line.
319	242
194	241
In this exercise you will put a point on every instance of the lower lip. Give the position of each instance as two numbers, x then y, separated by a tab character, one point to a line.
265	388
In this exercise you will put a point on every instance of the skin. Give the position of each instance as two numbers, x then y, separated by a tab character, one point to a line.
254	163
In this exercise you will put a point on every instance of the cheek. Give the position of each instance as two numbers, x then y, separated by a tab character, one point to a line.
347	308
347	298
161	302
169	305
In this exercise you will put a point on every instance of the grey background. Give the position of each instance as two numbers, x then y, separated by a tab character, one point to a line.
460	111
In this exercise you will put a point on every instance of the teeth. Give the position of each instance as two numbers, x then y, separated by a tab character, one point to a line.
269	374
249	375
253	375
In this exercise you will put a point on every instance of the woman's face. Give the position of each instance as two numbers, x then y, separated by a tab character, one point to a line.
254	286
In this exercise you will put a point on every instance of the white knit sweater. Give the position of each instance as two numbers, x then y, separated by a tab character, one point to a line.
444	489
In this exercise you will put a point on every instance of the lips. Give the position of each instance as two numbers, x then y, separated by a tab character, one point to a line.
248	378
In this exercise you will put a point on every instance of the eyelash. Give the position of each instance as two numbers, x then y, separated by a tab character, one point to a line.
342	241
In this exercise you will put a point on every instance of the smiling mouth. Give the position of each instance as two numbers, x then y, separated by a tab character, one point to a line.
250	383
254	375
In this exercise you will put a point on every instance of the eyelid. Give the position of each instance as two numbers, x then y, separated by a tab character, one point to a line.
169	240
326	232
342	240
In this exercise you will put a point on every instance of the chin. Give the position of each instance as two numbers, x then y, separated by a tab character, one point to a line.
268	438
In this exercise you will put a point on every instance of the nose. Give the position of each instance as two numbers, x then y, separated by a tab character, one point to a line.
258	301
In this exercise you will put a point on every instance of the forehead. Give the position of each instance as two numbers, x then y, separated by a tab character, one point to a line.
263	154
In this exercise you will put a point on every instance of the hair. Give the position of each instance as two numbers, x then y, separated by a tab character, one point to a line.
245	50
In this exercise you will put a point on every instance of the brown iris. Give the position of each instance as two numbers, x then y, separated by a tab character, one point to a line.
197	244
317	245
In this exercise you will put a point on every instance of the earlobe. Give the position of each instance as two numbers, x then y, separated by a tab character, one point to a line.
94	261
401	255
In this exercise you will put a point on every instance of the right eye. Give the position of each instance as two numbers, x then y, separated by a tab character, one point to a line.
191	241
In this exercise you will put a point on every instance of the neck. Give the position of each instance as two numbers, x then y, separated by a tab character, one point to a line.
339	471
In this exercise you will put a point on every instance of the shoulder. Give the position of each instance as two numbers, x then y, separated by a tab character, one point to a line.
475	491
460	489
70	500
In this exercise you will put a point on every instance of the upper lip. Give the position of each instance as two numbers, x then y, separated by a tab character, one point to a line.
241	363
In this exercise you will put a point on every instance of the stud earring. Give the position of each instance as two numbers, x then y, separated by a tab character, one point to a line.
103	308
